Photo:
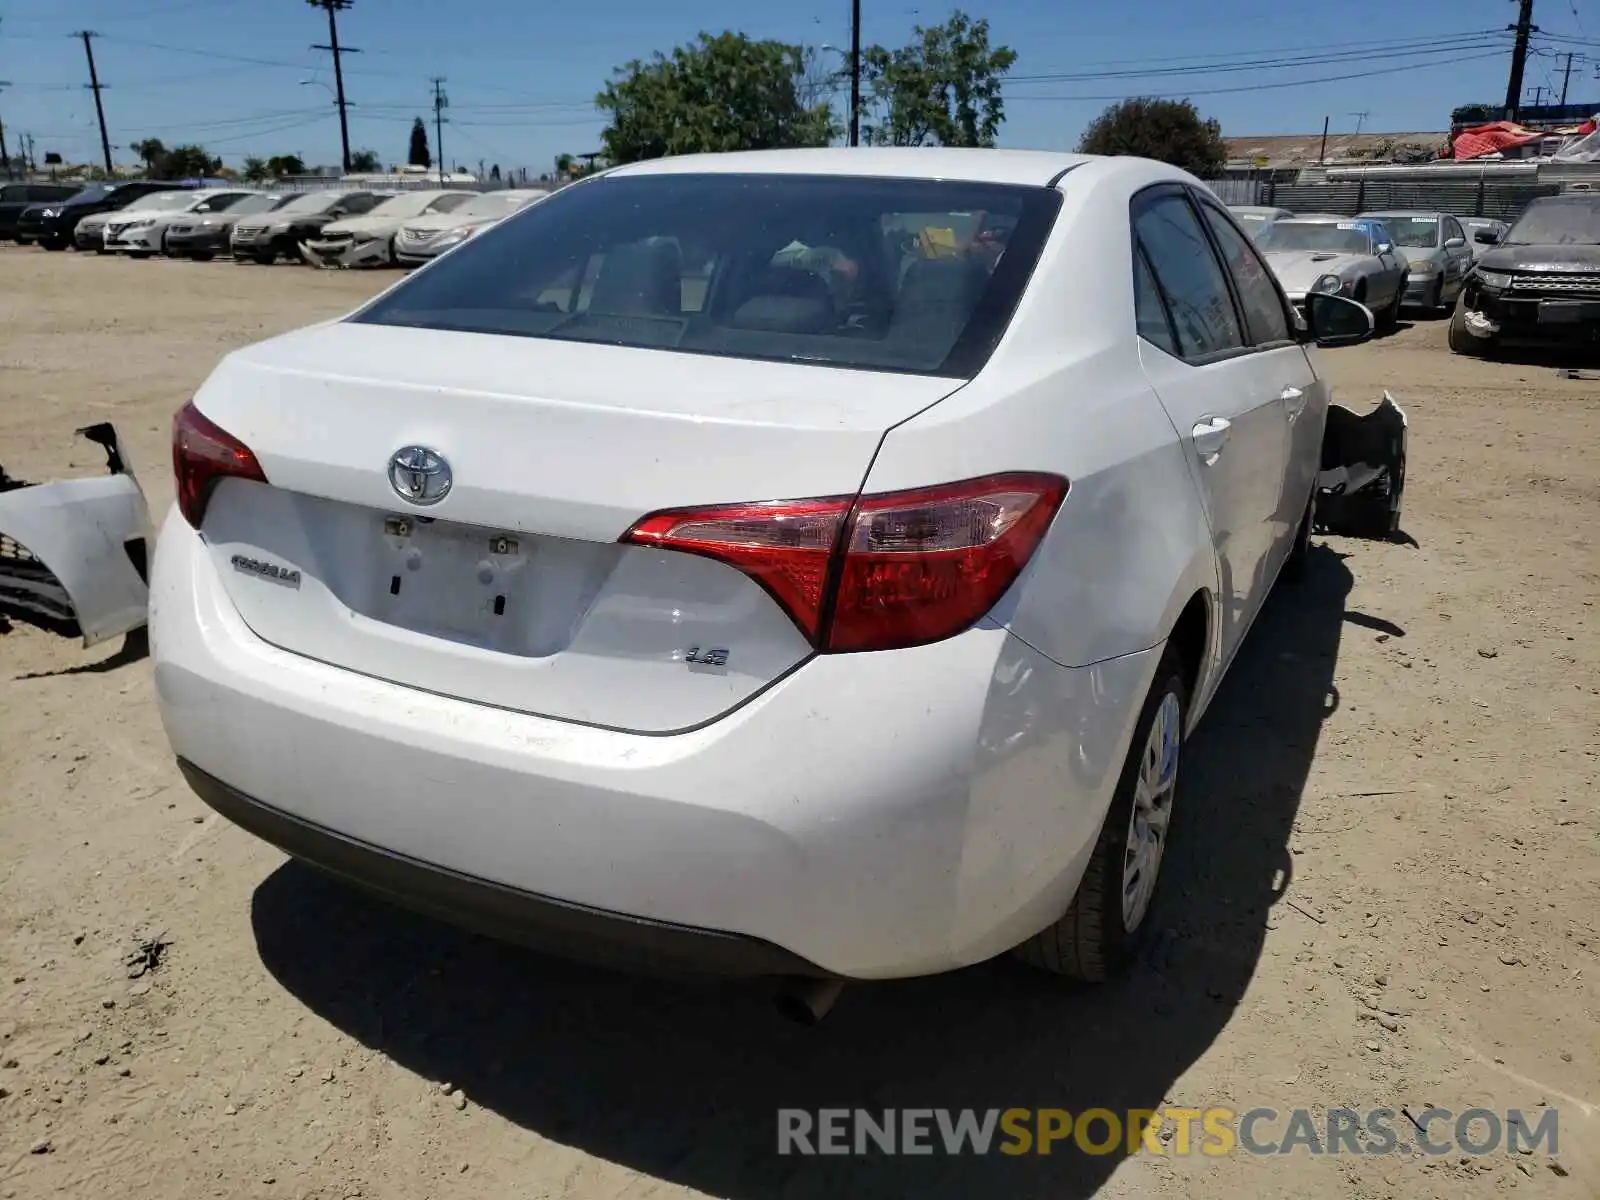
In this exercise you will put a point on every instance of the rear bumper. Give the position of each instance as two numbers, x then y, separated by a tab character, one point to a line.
553	926
869	816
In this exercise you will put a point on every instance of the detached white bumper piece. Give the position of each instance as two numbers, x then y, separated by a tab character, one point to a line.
73	554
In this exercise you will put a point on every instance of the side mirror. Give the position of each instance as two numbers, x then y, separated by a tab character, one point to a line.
1337	320
1487	236
1454	243
1384	247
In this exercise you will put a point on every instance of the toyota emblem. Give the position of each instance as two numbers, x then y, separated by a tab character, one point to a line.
419	475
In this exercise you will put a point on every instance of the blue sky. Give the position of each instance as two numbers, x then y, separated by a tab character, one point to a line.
521	76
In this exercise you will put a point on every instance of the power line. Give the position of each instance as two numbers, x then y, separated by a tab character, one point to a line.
1256	87
1431	48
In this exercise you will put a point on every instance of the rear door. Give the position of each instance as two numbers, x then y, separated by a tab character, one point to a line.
1222	393
1282	361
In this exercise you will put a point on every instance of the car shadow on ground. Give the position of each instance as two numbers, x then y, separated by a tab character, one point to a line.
683	1081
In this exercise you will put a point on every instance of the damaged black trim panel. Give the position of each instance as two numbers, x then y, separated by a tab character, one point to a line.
1363	474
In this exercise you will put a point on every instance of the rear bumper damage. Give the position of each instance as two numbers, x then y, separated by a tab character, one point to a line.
73	553
1363	473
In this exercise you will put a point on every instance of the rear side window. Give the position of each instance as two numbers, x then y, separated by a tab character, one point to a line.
897	275
1149	310
1258	295
1189	275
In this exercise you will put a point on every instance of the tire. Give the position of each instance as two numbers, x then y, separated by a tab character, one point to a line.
1298	562
1439	308
138	254
202	256
1390	317
264	257
1092	941
1462	342
52	243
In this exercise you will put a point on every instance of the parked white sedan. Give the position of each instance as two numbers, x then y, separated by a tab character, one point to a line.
140	230
430	236
368	240
629	585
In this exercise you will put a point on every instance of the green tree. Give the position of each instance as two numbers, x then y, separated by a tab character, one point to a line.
150	152
255	170
1170	131
719	93
365	160
280	165
418	154
942	89
565	166
184	162
1476	114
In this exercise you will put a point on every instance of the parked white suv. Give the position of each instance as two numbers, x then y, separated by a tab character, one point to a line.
632	584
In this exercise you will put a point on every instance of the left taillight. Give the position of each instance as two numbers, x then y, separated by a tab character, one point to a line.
204	453
876	572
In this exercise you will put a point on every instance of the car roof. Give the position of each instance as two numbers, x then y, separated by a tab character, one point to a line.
1405	212
1036	167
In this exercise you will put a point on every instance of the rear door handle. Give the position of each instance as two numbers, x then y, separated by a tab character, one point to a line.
1210	436
1294	400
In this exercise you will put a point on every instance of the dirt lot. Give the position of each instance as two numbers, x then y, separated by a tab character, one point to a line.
1386	891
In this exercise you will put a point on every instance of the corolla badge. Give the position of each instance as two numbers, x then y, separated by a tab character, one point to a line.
419	475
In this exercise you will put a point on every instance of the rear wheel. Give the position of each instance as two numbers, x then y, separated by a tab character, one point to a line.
1295	566
1109	916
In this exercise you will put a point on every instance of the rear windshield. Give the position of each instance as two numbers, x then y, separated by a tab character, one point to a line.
1558	223
897	275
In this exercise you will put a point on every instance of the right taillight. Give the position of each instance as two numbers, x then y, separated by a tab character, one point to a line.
202	454
881	571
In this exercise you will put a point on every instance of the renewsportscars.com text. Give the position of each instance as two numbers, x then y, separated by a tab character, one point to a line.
1213	1132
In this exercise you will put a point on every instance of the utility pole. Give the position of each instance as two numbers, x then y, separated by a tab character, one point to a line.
1566	78
29	159
1322	155
5	159
1519	56
855	72
1361	119
440	103
95	86
1538	94
338	51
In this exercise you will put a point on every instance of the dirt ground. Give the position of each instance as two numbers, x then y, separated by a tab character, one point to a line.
1385	890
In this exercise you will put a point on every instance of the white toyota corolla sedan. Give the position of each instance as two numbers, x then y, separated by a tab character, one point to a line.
805	563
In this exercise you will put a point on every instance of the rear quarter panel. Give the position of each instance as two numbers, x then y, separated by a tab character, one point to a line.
1065	393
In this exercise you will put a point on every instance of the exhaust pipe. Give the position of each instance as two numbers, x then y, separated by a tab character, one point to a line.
807	1001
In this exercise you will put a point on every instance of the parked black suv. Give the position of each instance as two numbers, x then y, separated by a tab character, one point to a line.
14	197
52	225
1541	282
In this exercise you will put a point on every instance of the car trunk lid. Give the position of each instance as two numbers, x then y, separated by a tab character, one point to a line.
512	589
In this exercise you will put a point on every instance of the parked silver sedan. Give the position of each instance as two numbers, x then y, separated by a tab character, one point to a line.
1435	248
1256	217
1354	257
